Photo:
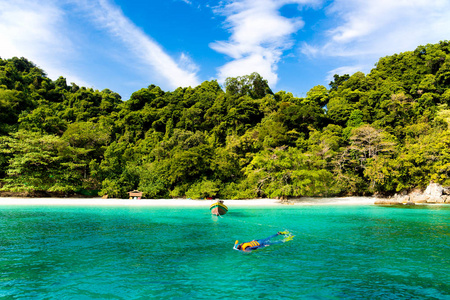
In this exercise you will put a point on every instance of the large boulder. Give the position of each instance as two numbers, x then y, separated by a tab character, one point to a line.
396	200
434	190
417	196
434	193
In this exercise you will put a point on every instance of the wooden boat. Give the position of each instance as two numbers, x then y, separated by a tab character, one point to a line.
218	208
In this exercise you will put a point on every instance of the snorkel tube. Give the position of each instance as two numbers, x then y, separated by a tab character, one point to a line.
236	244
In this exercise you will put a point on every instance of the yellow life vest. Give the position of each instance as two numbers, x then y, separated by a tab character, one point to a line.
249	244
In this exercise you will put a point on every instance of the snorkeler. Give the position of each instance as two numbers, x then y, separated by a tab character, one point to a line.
256	244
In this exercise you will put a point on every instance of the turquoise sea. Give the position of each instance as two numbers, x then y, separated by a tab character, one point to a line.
339	252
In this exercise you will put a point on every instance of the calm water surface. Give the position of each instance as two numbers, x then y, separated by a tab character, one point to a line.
339	252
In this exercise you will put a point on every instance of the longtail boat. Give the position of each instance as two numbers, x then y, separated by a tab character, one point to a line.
218	208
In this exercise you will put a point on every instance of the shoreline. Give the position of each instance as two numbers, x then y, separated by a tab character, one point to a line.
15	201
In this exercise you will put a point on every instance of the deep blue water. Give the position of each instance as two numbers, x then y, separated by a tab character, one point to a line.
339	252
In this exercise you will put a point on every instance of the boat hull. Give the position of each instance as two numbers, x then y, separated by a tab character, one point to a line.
218	209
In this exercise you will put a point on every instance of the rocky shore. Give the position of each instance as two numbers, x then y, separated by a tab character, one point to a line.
433	194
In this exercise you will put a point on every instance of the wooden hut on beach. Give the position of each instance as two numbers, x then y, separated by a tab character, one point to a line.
136	195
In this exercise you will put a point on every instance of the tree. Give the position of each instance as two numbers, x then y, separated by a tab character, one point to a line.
252	85
12	103
369	142
318	95
338	80
287	172
40	162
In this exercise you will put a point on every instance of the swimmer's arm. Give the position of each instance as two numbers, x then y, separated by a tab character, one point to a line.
254	248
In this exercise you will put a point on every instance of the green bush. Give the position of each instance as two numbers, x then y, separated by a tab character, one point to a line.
203	189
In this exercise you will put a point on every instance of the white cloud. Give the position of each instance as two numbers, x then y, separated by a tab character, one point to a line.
265	65
365	30
186	62
23	23
28	23
27	29
259	35
49	33
375	28
112	19
344	70
309	50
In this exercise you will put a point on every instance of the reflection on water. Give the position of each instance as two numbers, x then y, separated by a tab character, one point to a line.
350	252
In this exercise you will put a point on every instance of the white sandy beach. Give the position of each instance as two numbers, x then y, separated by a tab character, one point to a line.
7	201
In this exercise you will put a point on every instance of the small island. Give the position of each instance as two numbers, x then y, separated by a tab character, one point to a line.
384	134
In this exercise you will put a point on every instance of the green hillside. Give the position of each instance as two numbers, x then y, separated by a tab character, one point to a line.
377	133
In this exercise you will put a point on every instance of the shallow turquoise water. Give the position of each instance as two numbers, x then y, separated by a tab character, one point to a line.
339	252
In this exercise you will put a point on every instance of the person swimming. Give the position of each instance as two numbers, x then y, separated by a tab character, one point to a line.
256	244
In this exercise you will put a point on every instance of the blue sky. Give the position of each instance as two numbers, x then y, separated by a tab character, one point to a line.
126	45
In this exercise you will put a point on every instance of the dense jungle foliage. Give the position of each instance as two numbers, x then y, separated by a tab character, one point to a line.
384	132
